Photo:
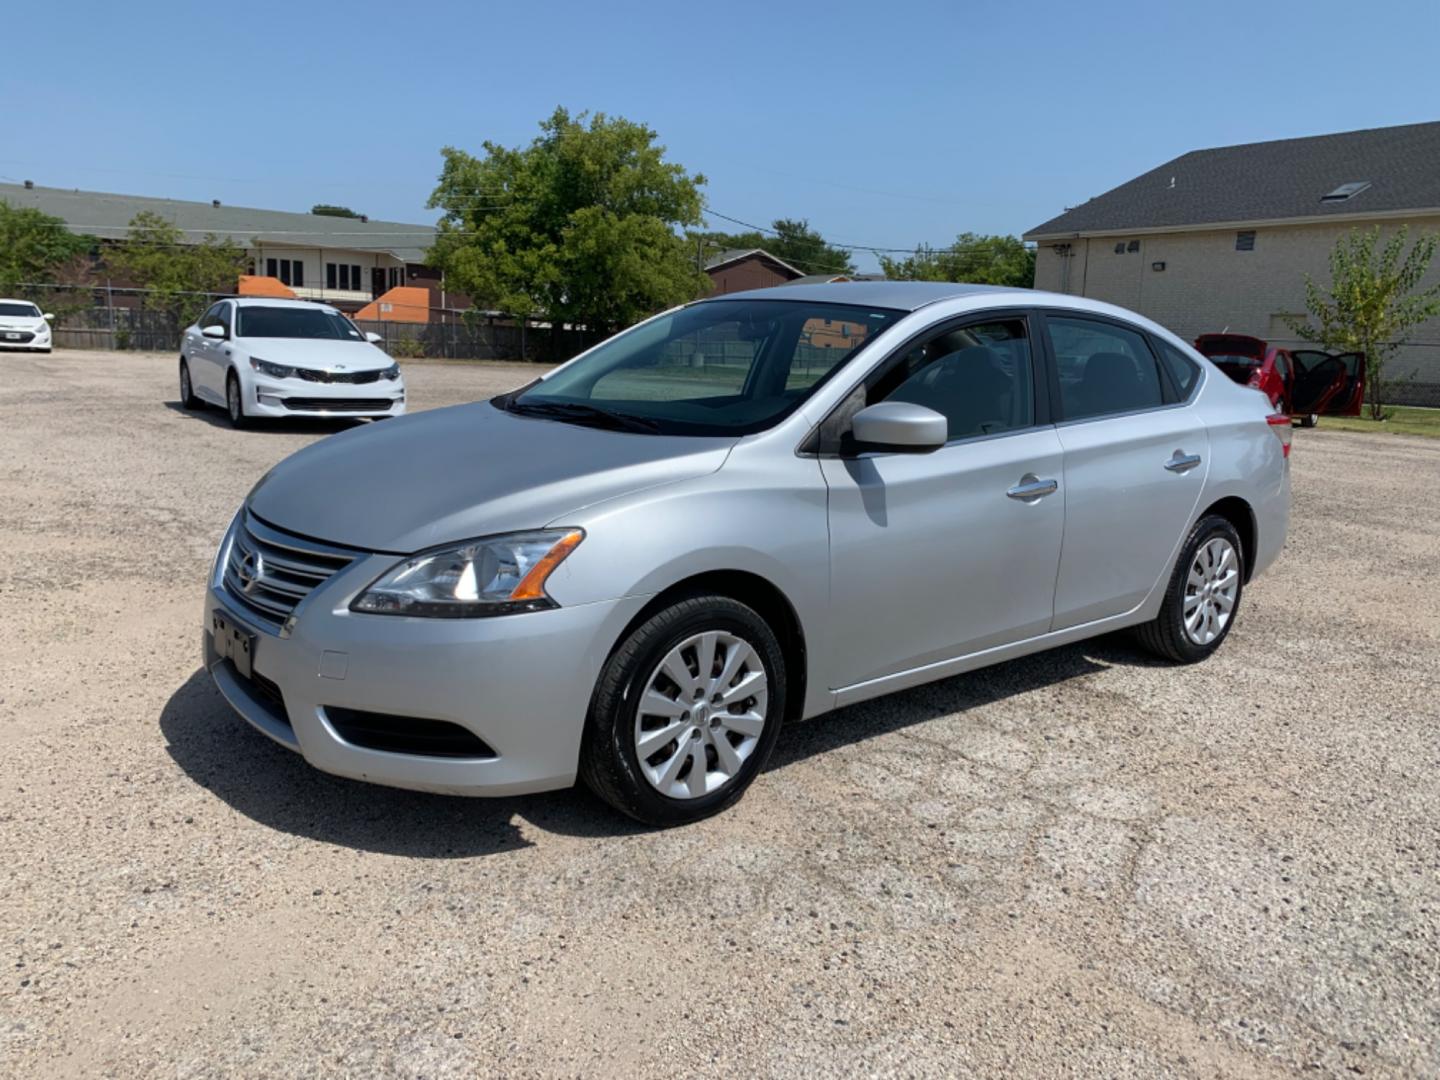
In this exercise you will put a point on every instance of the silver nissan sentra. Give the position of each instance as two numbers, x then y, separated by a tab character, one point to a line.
746	510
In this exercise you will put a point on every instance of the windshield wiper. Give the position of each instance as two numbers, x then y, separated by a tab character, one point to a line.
580	413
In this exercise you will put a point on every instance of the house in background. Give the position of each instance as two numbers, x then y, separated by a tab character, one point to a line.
347	262
1222	239
748	268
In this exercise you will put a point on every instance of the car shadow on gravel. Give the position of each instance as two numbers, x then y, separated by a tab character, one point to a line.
958	694
277	788
215	417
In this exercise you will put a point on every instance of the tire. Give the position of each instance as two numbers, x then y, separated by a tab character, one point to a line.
1310	420
1168	635
234	401
610	763
188	400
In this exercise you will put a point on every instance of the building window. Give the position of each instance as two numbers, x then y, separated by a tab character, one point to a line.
355	277
330	275
1245	241
1120	248
344	276
270	270
297	274
1134	245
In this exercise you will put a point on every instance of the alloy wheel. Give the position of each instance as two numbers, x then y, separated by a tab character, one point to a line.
1211	589
701	714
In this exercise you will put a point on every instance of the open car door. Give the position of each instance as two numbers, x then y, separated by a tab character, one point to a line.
1320	378
1349	400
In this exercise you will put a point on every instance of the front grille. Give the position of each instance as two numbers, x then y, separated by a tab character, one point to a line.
15	337
268	572
406	734
310	404
338	376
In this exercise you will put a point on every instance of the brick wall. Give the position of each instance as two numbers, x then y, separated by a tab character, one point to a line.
1207	285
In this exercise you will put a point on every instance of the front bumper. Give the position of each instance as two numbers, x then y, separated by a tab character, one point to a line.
521	683
26	339
296	398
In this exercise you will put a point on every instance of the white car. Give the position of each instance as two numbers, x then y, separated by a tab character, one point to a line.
22	326
276	358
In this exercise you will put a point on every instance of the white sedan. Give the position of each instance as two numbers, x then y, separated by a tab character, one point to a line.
276	358
22	326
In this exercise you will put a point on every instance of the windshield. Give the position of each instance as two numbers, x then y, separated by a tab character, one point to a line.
725	367
19	309
288	322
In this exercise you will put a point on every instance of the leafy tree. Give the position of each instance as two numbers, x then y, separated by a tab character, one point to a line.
1371	304
326	210
974	258
179	276
578	227
35	248
793	241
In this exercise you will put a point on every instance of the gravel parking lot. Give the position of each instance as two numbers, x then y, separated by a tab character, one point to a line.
1079	863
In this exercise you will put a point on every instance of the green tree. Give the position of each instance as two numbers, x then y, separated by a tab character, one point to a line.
178	275
1372	302
35	248
578	227
974	258
326	210
793	241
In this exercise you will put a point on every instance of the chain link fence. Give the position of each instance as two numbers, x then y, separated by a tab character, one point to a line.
106	317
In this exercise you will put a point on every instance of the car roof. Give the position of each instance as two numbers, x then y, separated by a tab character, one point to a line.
17	300
897	295
265	301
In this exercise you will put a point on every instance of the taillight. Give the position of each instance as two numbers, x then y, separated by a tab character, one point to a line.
1282	427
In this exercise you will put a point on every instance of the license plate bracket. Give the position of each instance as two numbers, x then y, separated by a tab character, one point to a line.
232	642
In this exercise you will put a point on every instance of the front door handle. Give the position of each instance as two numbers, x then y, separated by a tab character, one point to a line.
1182	462
1031	487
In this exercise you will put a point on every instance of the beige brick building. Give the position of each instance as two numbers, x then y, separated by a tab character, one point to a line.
1222	239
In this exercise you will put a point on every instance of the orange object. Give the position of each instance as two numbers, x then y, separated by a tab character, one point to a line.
255	285
404	303
532	585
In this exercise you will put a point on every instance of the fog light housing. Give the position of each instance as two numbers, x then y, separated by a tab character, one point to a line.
271	400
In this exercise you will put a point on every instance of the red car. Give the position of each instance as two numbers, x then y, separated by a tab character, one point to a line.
1302	383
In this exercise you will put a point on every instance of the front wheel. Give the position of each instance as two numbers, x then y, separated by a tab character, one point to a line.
188	400
234	403
686	712
1203	596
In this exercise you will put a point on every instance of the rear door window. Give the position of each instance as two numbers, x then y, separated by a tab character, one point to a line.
1104	369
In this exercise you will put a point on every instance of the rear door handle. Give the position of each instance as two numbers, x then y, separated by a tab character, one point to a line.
1032	487
1182	462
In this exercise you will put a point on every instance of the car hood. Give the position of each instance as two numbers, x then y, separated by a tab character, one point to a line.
317	353
472	470
21	322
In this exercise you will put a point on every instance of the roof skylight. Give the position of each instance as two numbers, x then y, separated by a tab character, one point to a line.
1346	191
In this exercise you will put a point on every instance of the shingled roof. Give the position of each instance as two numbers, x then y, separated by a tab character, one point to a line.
108	217
1269	181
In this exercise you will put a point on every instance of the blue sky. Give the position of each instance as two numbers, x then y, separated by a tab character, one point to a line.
884	124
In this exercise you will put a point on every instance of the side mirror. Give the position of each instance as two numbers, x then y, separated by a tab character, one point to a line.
213	331
48	317
373	338
899	427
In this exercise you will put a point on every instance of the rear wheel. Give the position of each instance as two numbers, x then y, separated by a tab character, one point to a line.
1203	596
188	400
234	403
1310	420
686	712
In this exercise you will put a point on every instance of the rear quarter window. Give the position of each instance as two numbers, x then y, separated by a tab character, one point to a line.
1183	371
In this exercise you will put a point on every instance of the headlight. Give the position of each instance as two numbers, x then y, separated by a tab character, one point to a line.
392	372
496	576
275	371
